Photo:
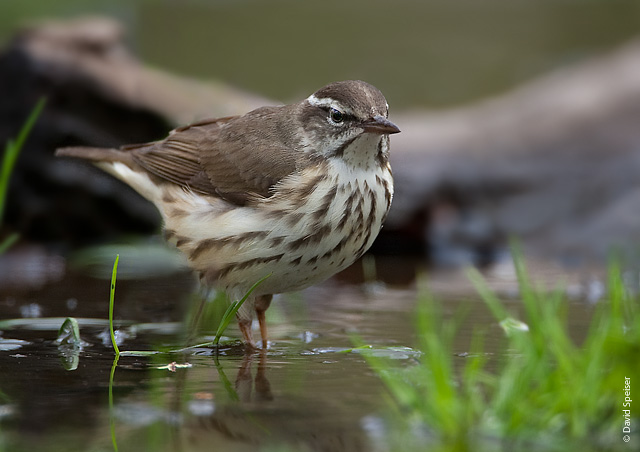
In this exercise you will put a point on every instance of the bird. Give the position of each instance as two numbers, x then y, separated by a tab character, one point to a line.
290	193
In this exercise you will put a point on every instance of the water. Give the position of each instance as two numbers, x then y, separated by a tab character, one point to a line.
310	391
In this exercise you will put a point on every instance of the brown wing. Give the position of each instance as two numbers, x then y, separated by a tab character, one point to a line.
177	157
236	158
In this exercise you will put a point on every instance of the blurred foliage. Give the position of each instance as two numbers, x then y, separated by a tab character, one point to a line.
548	393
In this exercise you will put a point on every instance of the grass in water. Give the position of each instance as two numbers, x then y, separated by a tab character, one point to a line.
232	310
112	298
228	316
547	394
11	152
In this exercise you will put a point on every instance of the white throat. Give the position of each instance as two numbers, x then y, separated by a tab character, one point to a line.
362	153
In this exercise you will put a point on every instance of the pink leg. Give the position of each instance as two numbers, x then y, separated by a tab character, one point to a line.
245	329
262	304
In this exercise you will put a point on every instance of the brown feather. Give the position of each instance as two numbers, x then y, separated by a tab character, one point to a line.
237	164
94	154
234	163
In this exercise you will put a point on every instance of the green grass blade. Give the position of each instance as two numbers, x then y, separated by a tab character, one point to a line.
112	297
28	125
8	242
11	152
232	311
69	332
481	286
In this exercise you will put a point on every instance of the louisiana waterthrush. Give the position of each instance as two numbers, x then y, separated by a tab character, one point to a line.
297	192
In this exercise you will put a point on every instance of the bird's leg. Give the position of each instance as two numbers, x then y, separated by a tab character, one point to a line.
245	329
262	304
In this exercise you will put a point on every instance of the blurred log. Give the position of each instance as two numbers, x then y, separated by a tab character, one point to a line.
555	162
97	94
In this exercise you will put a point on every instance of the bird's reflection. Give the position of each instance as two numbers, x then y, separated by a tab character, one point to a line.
255	417
245	384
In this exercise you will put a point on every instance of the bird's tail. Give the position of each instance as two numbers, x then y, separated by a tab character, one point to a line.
118	163
95	154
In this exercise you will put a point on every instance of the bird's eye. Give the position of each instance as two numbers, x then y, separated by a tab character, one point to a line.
336	116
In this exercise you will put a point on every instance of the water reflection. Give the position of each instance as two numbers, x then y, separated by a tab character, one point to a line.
309	391
245	382
261	416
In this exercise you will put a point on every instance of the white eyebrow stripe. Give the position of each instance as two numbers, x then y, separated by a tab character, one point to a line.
324	102
328	102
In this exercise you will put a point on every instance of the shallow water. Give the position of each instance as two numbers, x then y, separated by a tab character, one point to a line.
310	391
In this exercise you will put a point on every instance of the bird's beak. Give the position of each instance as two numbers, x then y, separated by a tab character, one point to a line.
380	125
